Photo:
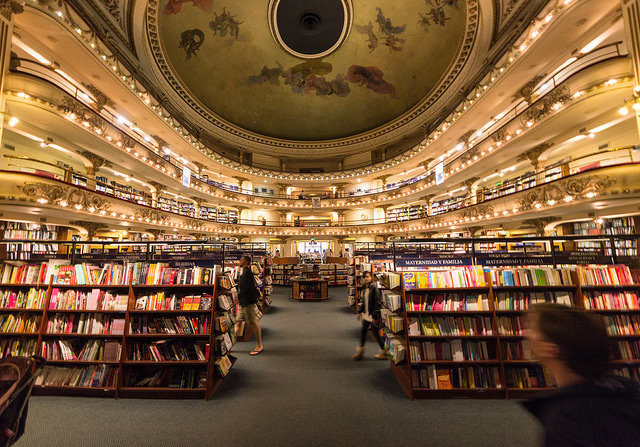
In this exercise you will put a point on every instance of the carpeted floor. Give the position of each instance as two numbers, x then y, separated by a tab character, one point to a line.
303	390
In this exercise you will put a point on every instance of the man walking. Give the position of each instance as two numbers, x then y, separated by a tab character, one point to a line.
248	294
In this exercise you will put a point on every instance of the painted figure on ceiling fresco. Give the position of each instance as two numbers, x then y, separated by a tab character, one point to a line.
267	75
436	15
308	78
224	24
389	34
371	78
175	6
386	26
372	39
191	40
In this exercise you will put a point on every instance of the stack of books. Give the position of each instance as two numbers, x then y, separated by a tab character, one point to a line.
164	301
456	377
523	300
455	350
96	299
448	302
85	323
180	324
446	326
95	376
31	299
615	275
25	323
530	276
457	277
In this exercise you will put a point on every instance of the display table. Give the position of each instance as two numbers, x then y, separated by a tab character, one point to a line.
309	289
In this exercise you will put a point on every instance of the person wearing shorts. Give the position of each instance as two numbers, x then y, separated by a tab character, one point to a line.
248	294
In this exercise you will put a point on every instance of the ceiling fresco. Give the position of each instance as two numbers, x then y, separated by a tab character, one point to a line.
224	55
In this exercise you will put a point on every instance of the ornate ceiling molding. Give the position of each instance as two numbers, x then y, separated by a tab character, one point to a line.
236	135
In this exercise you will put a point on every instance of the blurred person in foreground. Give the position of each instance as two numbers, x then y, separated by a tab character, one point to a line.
591	407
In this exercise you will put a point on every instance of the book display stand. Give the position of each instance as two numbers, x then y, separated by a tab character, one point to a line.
308	289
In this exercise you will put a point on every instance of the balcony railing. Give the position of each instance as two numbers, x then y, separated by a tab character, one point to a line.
614	157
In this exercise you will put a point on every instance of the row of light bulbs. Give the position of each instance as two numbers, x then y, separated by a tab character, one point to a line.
530	35
413	189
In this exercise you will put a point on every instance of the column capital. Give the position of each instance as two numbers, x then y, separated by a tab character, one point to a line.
91	227
155	232
159	187
240	180
533	155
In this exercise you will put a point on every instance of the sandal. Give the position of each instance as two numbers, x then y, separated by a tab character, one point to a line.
256	351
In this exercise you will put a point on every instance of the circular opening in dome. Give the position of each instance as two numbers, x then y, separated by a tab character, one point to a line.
310	28
310	22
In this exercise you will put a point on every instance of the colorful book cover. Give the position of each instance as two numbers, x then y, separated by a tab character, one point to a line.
409	280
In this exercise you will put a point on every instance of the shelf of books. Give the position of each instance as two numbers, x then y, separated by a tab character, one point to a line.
24	241
357	266
284	269
466	327
130	330
307	289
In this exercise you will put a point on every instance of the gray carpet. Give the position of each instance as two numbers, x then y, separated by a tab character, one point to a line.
303	390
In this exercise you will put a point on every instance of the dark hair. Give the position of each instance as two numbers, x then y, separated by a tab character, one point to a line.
247	258
368	272
581	337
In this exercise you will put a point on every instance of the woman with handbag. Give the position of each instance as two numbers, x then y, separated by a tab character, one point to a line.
369	315
248	294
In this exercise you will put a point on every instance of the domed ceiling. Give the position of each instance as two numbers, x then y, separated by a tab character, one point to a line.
227	57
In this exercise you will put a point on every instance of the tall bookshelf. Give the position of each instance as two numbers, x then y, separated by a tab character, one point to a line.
443	353
60	336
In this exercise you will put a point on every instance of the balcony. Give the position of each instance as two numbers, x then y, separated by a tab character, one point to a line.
606	189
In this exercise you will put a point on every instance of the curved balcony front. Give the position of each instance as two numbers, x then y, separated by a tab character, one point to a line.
605	190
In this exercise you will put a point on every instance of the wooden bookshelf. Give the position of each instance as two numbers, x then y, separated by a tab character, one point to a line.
124	364
317	288
501	345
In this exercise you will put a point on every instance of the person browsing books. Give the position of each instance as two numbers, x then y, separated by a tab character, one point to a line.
590	407
248	294
369	309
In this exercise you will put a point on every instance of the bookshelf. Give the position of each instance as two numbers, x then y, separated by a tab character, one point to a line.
123	340
467	338
283	269
308	289
25	241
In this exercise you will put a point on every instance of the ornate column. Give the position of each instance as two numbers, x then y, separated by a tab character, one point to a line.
471	189
283	216
158	188
91	227
7	9
283	188
533	156
540	223
384	209
427	198
383	180
155	232
340	212
340	188
240	210
198	202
